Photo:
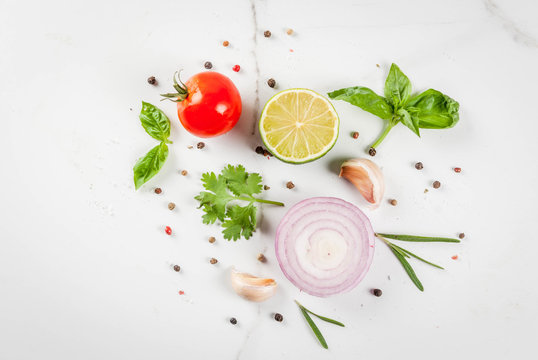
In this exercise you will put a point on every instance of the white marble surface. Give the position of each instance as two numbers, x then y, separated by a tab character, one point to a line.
84	262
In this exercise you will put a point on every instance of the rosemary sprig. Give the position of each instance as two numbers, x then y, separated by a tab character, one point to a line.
401	253
313	326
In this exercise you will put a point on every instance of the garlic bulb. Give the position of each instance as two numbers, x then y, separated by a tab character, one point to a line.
251	287
367	178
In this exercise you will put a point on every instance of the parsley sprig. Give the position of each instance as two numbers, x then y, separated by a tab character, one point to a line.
233	186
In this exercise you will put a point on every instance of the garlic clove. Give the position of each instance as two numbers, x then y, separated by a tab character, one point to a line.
367	178
252	287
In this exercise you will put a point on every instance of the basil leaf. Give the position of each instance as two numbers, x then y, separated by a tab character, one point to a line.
148	166
433	110
397	87
364	98
410	122
155	122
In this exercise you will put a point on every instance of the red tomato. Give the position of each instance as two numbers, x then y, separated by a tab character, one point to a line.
208	104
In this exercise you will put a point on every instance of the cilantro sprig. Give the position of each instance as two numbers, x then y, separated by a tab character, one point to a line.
225	192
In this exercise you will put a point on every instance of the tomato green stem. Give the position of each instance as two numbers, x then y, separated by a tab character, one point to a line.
182	91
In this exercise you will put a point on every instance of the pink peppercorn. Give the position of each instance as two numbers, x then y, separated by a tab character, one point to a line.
168	230
236	68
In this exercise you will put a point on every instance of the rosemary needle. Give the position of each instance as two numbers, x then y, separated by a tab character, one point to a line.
313	326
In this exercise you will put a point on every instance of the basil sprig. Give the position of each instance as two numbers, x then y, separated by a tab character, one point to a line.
430	109
157	125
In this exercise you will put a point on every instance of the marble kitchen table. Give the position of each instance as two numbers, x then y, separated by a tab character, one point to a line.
85	264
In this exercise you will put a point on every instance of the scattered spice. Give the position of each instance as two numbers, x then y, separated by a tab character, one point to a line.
213	261
267	33
233	321
436	184
377	292
208	65
394	202
419	166
152	80
290	185
200	145
171	206
372	152
211	239
184	172
279	317
355	134
177	268
225	43
289	31
457	169
271	82
181	292
168	230
190	147
291	50
236	68
266	187
377	65
461	235
454	257
262	258
426	190
259	150
267	153
158	190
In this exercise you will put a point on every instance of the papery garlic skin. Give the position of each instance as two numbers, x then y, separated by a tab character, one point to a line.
367	178
252	287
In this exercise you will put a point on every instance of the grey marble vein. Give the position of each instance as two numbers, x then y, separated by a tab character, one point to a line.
249	334
256	66
518	35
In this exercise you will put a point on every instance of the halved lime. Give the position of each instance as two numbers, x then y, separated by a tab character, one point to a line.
298	125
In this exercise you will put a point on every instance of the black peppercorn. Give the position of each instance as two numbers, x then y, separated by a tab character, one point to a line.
436	184
259	150
279	317
233	321
377	292
200	145
461	235
208	65
271	82
177	268
419	166
152	80
372	152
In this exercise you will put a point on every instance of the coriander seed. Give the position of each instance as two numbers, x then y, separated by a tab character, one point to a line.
461	235
290	185
200	145
211	239
289	31
262	258
171	206
267	33
184	172
213	261
436	184
394	202
271	83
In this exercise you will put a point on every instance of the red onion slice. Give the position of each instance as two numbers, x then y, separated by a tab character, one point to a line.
324	245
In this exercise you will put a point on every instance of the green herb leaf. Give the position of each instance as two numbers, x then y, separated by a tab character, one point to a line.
417	238
433	110
232	185
409	253
408	269
148	166
397	87
366	99
155	122
407	120
313	326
